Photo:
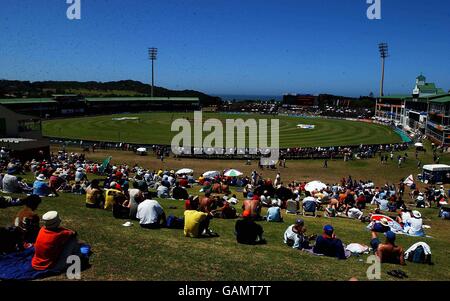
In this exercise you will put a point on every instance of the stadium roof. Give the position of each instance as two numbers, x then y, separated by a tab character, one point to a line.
395	96
105	99
441	99
9	101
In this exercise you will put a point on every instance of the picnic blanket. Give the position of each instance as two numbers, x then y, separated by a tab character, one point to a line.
17	266
395	227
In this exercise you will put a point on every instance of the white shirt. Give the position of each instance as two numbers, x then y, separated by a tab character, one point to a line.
416	225
149	212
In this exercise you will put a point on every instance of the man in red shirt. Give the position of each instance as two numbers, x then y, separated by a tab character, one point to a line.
52	242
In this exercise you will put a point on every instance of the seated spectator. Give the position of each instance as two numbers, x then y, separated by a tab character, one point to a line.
94	195
383	203
162	192
310	205
414	226
227	211
151	215
444	213
192	203
196	224
121	207
7	201
41	188
10	182
111	195
295	236
330	211
355	213
254	206
387	252
328	245
274	214
27	220
248	231
233	200
381	226
420	201
136	196
55	182
404	216
179	193
53	244
265	199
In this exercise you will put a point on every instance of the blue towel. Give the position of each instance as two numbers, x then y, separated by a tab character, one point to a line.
17	266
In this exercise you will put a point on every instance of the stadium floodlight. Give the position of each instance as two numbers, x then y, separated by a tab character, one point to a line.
152	54
383	47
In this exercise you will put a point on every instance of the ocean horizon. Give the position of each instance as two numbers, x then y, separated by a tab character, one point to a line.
241	97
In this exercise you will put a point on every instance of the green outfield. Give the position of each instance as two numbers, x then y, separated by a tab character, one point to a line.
154	128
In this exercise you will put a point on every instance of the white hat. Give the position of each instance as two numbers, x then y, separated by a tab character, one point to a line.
384	222
420	198
113	184
51	219
41	177
417	214
79	169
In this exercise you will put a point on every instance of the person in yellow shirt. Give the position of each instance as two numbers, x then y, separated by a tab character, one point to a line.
111	195
94	195
196	224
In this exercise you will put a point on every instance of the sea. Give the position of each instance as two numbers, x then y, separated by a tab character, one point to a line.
231	97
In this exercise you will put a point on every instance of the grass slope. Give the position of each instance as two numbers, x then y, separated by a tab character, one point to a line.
136	254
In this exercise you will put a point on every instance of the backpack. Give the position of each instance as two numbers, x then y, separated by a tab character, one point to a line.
418	256
174	222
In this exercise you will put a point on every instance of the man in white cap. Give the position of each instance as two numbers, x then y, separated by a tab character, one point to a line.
53	244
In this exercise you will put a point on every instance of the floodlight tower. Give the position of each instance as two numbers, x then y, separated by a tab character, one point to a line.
383	47
152	53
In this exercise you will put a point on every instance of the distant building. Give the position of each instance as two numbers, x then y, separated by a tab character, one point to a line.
300	100
22	135
409	111
438	122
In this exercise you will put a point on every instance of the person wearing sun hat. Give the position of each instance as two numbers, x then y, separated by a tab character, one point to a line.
414	226
328	245
52	243
248	231
40	187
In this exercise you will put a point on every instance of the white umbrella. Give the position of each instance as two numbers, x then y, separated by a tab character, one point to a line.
418	144
141	150
233	173
184	171
211	174
315	185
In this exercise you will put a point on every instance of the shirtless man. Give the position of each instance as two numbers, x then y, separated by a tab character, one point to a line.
254	205
388	252
206	204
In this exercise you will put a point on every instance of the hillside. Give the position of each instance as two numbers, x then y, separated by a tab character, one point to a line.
19	89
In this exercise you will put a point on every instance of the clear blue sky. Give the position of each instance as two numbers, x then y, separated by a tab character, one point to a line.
229	47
